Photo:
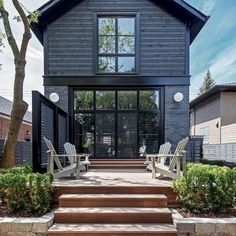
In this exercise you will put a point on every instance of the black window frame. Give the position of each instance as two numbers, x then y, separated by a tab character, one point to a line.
135	55
138	111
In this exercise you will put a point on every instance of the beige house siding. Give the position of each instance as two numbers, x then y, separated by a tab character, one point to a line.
214	132
228	133
228	108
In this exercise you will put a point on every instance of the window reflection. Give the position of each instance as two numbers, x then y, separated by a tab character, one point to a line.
105	100
83	100
149	100
107	64
84	130
126	64
127	100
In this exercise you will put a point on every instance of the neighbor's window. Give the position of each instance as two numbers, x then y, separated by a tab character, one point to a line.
205	132
116	44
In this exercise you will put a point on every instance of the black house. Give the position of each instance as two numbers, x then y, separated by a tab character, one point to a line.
121	70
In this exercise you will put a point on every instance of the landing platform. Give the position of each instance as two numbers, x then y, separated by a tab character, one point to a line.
115	181
114	177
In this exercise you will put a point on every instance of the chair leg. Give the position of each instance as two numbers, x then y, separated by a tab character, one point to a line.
153	168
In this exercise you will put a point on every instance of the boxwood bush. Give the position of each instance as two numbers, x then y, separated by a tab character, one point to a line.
207	188
22	191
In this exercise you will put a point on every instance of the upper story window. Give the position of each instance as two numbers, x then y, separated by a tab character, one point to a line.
116	44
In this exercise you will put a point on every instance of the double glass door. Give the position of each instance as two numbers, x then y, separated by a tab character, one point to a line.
115	124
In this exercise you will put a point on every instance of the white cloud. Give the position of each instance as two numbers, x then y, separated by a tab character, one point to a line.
208	6
222	67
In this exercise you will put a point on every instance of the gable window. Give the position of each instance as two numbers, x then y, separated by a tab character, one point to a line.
116	44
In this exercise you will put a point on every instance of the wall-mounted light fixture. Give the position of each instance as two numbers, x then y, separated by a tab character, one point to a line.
54	97
179	97
217	124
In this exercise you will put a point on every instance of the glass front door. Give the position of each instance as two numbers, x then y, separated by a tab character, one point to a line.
115	124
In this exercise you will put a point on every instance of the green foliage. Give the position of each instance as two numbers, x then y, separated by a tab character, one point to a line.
207	84
206	187
24	191
34	16
212	162
1	4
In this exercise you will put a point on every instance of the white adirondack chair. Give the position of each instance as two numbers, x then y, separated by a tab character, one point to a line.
164	150
54	157
174	169
71	152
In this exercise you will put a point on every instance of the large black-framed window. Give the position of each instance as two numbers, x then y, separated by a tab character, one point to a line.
117	44
115	123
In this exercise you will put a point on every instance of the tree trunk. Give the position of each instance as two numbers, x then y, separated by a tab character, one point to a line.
18	111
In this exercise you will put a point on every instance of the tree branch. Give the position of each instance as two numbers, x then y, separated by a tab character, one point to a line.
8	31
27	33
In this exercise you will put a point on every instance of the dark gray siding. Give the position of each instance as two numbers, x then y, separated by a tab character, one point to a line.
70	39
176	115
62	91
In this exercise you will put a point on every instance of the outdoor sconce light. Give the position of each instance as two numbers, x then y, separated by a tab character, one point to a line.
54	97
178	97
217	124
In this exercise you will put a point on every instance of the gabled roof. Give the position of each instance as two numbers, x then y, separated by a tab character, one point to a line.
213	91
53	9
6	106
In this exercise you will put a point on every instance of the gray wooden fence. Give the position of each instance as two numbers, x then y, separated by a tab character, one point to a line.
224	152
23	152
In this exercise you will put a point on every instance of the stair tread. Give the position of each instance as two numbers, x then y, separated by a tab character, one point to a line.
86	210
112	228
110	196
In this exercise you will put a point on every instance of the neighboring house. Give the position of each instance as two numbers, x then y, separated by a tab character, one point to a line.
117	66
213	115
5	113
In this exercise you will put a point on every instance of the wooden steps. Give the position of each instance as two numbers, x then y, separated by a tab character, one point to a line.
112	215
113	200
127	189
113	211
112	230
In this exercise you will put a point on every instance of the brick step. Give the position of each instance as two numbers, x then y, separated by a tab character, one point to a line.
108	189
112	230
112	215
113	200
117	166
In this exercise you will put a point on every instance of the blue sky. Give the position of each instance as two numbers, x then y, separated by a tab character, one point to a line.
215	46
214	49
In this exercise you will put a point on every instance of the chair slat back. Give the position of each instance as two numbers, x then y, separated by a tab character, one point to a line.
70	151
165	150
178	151
54	153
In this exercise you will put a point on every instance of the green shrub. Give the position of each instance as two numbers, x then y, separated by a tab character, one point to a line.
24	191
206	187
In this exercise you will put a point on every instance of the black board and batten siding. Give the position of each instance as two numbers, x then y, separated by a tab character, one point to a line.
70	40
48	121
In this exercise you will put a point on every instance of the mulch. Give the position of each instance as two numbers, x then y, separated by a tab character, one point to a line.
229	213
4	212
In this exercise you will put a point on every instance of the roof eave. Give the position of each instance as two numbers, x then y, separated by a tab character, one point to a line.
213	91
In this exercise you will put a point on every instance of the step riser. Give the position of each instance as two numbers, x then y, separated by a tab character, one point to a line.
114	202
112	234
101	166
110	218
58	191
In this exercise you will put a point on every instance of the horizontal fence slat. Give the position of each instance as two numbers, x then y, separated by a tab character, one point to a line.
223	152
